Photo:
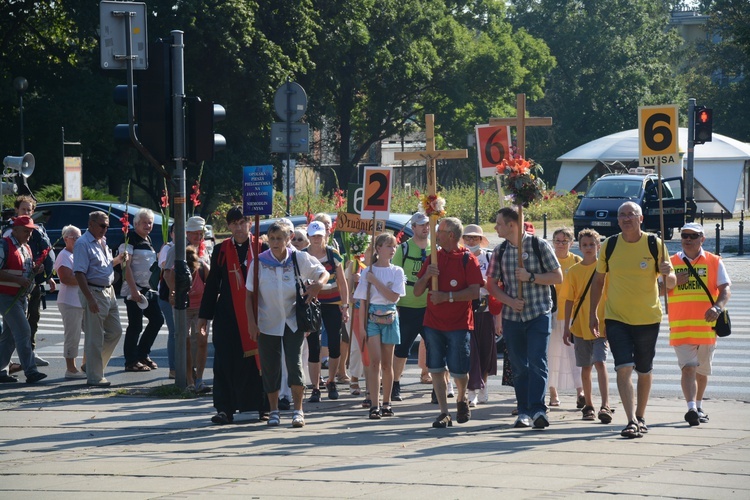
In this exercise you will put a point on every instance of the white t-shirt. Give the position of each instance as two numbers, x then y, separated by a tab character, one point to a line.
392	276
277	290
67	294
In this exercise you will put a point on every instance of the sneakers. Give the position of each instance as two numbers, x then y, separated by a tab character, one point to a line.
588	413
605	414
298	419
315	396
463	413
473	398
451	393
40	361
522	422
35	377
692	417
703	416
540	420
443	421
332	392
484	395
284	403
396	391
74	375
274	419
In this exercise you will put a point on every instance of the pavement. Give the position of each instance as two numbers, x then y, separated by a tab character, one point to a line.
58	442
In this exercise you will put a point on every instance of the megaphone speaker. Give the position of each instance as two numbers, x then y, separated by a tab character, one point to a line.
24	165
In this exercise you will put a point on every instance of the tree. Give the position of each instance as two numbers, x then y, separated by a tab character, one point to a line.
612	57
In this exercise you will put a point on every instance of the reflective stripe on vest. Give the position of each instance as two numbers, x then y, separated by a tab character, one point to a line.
688	303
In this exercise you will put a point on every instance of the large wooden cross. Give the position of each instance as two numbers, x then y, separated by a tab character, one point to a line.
430	154
521	121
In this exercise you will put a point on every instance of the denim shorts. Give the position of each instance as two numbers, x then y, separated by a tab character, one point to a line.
632	345
448	347
389	334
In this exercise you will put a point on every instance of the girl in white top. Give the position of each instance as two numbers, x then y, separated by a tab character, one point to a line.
68	302
383	284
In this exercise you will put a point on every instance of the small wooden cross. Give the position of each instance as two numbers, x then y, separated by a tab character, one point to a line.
430	154
521	122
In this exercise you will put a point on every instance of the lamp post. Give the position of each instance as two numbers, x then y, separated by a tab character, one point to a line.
21	84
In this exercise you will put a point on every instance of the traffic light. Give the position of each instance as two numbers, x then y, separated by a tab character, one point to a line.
153	104
703	124
201	140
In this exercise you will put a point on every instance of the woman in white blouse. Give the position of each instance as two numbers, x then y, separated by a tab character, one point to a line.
68	303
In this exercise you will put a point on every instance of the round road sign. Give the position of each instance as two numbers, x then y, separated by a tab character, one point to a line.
290	97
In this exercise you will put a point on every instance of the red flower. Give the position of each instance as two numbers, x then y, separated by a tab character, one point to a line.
42	256
400	236
333	227
481	191
309	216
417	193
195	194
124	220
340	200
164	199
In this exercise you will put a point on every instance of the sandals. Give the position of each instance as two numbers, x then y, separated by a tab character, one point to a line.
588	413
354	389
632	431
274	419
149	362
386	410
605	414
137	367
375	413
367	403
554	402
580	401
222	418
425	378
642	425
298	419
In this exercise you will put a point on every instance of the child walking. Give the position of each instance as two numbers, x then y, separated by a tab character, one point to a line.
381	285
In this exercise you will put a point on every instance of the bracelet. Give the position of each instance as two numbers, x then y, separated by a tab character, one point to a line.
718	309
344	306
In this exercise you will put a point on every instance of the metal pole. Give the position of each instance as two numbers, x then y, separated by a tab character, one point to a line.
718	240
741	250
691	206
288	144
182	275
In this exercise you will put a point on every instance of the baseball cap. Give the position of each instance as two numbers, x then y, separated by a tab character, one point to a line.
316	228
419	218
25	221
692	226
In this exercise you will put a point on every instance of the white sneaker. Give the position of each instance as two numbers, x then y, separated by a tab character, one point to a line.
472	397
74	375
451	393
484	394
40	361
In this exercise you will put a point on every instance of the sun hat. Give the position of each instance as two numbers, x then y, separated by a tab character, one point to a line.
195	224
474	230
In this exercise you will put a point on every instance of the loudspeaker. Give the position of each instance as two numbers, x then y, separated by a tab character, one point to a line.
24	165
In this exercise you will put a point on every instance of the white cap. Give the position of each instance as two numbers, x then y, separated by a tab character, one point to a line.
692	226
316	228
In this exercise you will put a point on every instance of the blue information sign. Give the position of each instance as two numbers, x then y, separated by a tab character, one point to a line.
257	190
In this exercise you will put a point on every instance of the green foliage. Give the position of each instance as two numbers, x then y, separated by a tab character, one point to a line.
53	192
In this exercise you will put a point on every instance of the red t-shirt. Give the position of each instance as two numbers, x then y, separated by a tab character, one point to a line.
454	277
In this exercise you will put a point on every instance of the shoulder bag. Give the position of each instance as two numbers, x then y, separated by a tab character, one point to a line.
309	317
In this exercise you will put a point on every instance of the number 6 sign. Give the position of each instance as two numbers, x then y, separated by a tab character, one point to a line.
657	131
493	145
377	192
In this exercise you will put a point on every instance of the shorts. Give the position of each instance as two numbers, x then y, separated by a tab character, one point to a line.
700	355
632	345
592	351
448	347
389	334
410	320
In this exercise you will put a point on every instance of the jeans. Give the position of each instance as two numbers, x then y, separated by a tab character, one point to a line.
448	347
133	349
166	310
527	343
16	335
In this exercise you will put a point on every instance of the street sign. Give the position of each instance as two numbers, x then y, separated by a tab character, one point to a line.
113	31
377	192
72	169
493	146
353	223
299	139
290	97
257	190
657	135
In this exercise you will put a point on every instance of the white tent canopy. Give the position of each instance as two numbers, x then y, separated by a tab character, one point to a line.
720	167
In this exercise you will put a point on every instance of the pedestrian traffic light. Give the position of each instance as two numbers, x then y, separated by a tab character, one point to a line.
152	104
703	125
201	140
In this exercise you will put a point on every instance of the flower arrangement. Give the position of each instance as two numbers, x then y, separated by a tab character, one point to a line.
432	204
520	180
358	243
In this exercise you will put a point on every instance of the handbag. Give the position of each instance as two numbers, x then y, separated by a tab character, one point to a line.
723	326
309	317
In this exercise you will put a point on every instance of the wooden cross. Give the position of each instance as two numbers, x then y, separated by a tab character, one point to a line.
430	154
521	122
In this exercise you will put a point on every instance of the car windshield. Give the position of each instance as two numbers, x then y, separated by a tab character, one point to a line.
615	188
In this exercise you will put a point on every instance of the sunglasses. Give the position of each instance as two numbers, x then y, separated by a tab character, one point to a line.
103	226
690	236
298	239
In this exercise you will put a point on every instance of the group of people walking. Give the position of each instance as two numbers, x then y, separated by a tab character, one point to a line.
559	314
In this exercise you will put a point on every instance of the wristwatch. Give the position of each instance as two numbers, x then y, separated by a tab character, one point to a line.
717	308
532	278
450	297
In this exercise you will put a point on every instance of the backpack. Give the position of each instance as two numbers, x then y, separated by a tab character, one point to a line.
538	253
653	247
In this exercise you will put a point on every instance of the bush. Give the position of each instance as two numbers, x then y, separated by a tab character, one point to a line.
53	192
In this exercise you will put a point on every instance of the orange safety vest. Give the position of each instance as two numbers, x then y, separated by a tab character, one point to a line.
688	302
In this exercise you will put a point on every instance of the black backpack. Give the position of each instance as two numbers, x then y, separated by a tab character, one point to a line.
538	253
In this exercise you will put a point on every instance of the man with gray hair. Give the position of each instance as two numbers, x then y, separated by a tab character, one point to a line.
449	316
140	300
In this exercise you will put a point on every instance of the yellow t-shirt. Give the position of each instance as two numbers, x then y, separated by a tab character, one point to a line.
565	264
576	279
633	293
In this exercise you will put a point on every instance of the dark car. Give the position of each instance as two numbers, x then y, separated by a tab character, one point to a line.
394	224
597	209
57	214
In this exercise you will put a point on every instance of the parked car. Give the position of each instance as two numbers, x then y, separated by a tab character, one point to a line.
597	209
394	224
57	214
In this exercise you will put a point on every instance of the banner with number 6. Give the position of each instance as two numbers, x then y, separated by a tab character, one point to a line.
493	146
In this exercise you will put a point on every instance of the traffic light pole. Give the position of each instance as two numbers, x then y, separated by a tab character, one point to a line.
690	205
181	273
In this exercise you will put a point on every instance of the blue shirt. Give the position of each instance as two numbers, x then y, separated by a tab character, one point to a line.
93	259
